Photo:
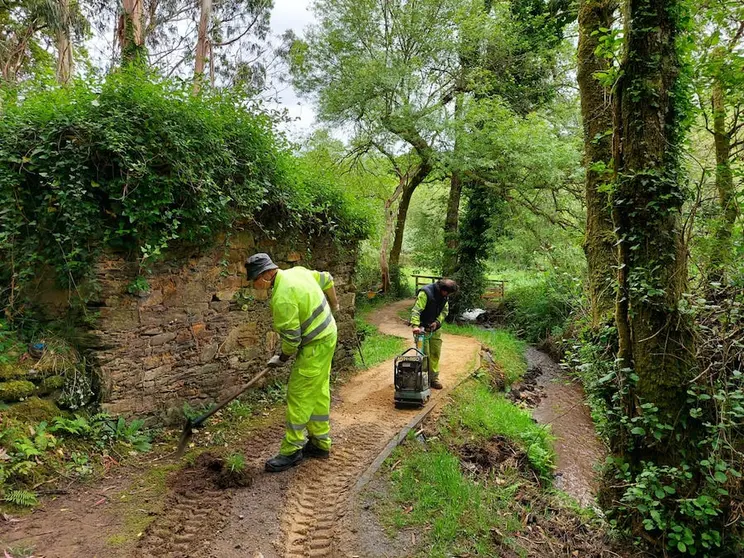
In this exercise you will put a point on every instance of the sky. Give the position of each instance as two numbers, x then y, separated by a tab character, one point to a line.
295	15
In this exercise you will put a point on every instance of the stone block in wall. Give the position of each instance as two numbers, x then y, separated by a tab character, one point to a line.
225	295
153	298
119	318
242	240
209	352
241	337
162	338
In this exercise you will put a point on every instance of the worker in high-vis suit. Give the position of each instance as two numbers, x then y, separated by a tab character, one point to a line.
427	316
302	305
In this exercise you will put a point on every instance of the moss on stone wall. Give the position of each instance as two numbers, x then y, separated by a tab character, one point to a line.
16	390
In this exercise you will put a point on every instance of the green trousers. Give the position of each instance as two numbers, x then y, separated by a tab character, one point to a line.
309	397
433	348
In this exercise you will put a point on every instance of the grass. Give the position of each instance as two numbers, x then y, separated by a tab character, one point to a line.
137	504
507	350
377	347
458	512
479	414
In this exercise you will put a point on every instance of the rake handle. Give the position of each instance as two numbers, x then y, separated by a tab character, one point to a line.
198	422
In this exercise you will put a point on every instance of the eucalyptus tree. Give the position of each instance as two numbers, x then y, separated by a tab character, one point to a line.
30	33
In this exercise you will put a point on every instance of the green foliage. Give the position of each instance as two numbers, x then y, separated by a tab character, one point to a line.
105	430
687	504
192	413
16	390
23	498
235	462
139	285
474	245
484	414
458	509
541	308
30	453
139	164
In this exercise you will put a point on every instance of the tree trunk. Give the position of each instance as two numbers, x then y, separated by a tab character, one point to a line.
400	224
64	45
131	37
422	171
388	232
203	46
723	248
647	206
596	112
449	265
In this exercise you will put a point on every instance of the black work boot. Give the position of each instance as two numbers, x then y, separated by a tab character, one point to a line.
283	462
436	384
311	450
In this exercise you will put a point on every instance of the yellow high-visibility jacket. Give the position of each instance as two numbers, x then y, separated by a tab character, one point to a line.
300	309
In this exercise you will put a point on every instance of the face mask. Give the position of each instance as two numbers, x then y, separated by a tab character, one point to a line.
261	284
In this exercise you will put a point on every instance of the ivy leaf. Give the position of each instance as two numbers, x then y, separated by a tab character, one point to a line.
720	477
638	431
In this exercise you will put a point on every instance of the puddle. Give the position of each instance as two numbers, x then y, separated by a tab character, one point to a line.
577	447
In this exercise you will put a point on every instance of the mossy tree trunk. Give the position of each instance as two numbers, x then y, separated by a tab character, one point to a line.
596	112
723	246
655	342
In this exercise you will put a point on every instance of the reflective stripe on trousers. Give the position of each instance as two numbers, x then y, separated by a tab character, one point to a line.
309	397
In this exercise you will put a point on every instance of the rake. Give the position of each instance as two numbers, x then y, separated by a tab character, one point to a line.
188	428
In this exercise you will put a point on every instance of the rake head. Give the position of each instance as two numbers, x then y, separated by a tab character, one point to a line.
186	435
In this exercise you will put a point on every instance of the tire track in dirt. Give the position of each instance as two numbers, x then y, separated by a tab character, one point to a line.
318	494
195	509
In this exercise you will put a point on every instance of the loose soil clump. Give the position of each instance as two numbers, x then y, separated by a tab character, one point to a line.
220	474
496	454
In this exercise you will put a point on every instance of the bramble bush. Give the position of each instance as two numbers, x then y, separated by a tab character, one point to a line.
137	163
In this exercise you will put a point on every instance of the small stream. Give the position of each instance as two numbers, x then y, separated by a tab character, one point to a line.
577	447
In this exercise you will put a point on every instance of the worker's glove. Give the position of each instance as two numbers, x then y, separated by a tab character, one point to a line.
435	325
417	330
336	309
275	362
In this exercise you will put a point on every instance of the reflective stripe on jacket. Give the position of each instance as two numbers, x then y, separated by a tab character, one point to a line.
299	307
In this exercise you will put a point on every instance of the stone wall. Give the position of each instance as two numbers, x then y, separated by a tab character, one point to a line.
199	331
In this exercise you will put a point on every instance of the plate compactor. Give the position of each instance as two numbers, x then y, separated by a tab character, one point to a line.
411	375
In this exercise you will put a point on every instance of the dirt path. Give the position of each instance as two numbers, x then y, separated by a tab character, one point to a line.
296	514
577	446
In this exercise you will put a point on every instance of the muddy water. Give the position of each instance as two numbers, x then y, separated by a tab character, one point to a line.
577	447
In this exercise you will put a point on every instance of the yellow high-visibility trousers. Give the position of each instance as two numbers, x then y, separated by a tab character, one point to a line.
309	397
433	348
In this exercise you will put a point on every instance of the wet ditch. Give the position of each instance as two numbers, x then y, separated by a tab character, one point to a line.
559	401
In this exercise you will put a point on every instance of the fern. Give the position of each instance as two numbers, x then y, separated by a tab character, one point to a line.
24	498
